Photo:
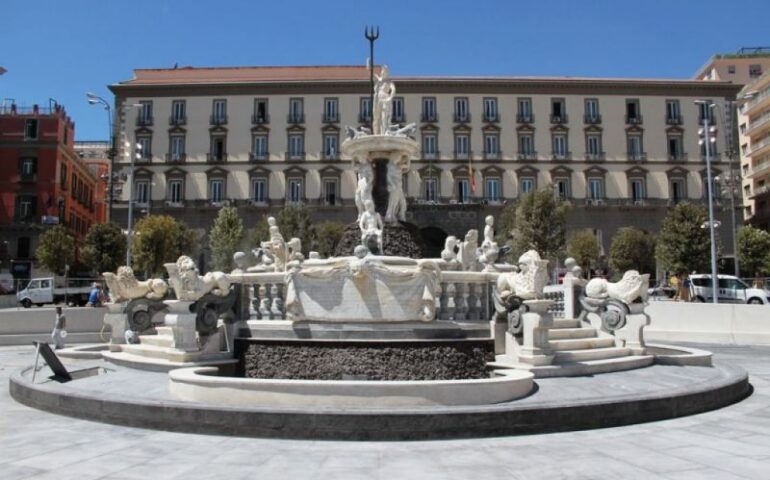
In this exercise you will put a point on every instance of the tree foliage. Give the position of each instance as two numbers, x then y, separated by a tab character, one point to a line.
683	245
295	221
225	238
504	225
632	249
159	239
584	247
328	235
754	251
104	248
540	224
56	248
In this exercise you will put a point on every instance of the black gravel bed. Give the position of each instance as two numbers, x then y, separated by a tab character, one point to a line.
420	360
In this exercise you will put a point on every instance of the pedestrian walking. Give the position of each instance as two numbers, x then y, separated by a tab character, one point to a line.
59	329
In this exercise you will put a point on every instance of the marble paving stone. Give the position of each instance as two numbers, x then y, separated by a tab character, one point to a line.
17	472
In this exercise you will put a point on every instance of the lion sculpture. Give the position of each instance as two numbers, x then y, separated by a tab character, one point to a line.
632	287
189	285
124	286
528	282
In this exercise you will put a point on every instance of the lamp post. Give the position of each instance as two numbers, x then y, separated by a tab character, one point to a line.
706	142
731	179
94	99
130	180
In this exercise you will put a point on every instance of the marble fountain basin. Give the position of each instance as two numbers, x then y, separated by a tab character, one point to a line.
203	384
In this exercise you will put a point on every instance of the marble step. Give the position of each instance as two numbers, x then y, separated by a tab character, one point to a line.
592	367
158	352
566	323
157	340
162	365
562	356
567	333
582	343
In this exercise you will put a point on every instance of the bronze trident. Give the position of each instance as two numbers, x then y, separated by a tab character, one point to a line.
371	34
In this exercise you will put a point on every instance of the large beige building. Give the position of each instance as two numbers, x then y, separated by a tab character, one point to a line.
754	139
621	151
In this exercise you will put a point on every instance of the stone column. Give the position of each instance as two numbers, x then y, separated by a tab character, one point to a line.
631	335
534	349
117	319
182	323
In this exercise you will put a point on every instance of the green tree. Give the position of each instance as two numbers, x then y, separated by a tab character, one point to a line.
632	249
225	238
504	225
328	235
683	245
104	248
159	239
539	224
295	221
56	248
260	233
754	251
583	246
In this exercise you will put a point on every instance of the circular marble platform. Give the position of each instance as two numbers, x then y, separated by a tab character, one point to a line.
135	398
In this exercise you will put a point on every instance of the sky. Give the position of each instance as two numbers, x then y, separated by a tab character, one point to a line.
54	49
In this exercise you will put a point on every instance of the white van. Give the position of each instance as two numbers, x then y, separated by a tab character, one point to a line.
40	291
730	290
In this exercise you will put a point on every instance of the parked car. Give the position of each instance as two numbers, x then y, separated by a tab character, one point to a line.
730	290
6	283
662	291
40	291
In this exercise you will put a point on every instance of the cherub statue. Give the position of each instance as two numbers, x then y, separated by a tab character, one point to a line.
489	250
469	251
295	249
449	253
396	201
370	225
364	187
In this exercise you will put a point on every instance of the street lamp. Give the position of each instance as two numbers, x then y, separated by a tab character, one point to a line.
130	180
94	99
706	140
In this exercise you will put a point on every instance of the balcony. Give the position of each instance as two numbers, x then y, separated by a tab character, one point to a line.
216	157
759	191
633	120
493	155
330	156
561	157
295	118
27	177
176	157
590	119
525	118
430	117
430	155
258	156
462	118
673	120
758	101
492	117
330	117
759	147
677	157
463	155
295	155
596	157
144	156
218	119
398	118
177	120
260	119
637	156
759	168
710	120
559	119
144	121
527	156
759	124
364	118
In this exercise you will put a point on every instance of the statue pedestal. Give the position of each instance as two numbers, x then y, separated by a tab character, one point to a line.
117	319
631	335
533	347
182	323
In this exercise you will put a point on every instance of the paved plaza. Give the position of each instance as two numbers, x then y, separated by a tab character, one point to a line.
730	443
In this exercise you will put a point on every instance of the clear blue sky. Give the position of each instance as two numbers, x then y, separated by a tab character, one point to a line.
61	49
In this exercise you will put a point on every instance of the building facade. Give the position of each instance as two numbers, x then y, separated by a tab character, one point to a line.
43	182
741	67
93	153
620	151
754	139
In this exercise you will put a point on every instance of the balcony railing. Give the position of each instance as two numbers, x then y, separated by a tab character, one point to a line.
757	98
463	155
218	119
429	117
462	118
143	121
398	118
258	156
710	120
295	155
143	156
677	157
592	119
177	120
260	119
493	155
492	117
216	157
527	156
634	119
558	119
28	177
330	155
296	118
637	156
364	118
596	157
176	157
759	168
561	156
755	147
758	122
760	191
677	120
430	155
525	118
330	117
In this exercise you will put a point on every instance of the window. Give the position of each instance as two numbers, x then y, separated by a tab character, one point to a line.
595	188
175	191
463	190
144	147
755	70
558	110
295	192
637	190
559	141
430	189
490	109
712	146
492	145
527	184
429	109
178	112
260	111
677	190
177	148
25	207
526	144
330	191
74	185
461	109
633	113
675	150
296	146
716	191
331	110
259	190
296	110
492	185
462	142
218	148
731	69
561	188
216	190
27	167
219	112
30	129
365	110
330	146
259	147
594	145
144	116
592	110
429	141
705	112
398	110
524	112
634	145
673	116
63	177
142	192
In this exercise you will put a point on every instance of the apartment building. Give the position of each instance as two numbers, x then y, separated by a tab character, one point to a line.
754	139
621	151
741	67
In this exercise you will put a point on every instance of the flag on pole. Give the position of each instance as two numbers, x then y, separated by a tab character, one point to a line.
471	176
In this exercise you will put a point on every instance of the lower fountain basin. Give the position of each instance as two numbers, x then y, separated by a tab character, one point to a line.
202	384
